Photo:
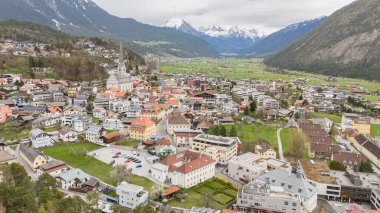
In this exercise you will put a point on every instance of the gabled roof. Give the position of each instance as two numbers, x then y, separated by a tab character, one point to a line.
178	119
29	152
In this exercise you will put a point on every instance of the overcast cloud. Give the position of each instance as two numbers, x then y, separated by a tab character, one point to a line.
264	15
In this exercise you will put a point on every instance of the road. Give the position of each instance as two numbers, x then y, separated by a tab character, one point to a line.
161	128
280	152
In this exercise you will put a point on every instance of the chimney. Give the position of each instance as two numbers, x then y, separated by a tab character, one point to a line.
298	172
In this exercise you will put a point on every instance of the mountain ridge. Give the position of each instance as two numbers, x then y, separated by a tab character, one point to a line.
85	18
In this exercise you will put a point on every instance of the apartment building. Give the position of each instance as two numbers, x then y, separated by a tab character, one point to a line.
184	137
248	166
142	128
220	149
131	195
185	169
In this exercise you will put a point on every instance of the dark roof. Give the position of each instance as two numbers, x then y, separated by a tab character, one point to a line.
30	152
371	147
178	119
52	165
264	146
361	139
349	158
92	182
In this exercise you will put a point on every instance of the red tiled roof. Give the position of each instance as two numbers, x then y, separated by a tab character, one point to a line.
171	190
194	161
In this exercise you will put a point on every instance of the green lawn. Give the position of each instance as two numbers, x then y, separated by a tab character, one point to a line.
332	117
74	155
252	132
51	128
9	134
252	68
222	195
375	129
129	143
372	98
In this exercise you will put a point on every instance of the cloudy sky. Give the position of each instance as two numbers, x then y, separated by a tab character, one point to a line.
264	15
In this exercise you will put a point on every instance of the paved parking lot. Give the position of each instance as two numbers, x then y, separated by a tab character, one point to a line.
106	155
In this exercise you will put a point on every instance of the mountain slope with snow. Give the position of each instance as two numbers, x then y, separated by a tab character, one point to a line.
84	17
225	40
283	38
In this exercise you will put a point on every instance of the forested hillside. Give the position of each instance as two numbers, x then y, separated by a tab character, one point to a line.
346	44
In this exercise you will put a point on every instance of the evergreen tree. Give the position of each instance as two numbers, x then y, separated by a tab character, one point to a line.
223	131
233	131
253	106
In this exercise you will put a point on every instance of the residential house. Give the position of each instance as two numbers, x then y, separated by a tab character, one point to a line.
72	179
94	134
348	159
32	157
66	134
5	113
99	112
112	124
52	168
130	195
39	138
265	150
185	169
176	121
142	128
183	138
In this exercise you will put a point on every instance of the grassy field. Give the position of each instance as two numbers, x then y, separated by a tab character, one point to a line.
75	156
129	143
252	132
220	196
9	134
252	68
334	118
375	129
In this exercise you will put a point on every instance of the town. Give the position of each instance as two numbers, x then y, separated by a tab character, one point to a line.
189	142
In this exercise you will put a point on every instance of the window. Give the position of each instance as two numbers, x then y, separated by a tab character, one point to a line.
286	203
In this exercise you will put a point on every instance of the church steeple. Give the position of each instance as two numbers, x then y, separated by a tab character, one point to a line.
122	68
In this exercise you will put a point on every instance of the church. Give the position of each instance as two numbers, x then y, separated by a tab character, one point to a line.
119	78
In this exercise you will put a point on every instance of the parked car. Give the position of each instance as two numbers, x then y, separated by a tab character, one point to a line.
112	162
118	153
115	156
138	166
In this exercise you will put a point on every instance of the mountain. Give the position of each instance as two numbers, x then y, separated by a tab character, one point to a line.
346	44
84	17
225	40
283	38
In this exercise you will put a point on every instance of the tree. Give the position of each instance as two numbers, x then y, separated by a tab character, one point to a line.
223	131
333	131
45	189
297	141
156	192
120	173
93	201
233	131
253	106
248	146
335	165
366	167
246	111
119	209
297	115
214	130
144	209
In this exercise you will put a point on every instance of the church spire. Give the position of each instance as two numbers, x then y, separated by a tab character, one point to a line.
121	53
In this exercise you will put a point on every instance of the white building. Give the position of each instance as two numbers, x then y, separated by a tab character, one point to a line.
73	178
270	103
66	134
39	138
177	121
248	166
220	149
187	169
112	124
94	134
131	195
119	79
183	138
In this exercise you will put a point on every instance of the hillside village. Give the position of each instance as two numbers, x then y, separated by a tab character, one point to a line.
191	143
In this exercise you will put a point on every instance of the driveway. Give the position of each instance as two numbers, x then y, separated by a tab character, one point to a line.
280	152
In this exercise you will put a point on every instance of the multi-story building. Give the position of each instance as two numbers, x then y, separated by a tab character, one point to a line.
220	149
260	196
185	169
131	195
39	138
95	134
32	157
248	166
142	128
184	137
52	168
270	103
112	124
176	121
265	150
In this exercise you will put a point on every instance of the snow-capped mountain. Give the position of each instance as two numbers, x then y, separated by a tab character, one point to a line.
225	40
183	26
283	38
86	18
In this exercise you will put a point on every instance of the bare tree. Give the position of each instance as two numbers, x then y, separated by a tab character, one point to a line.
156	192
120	173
